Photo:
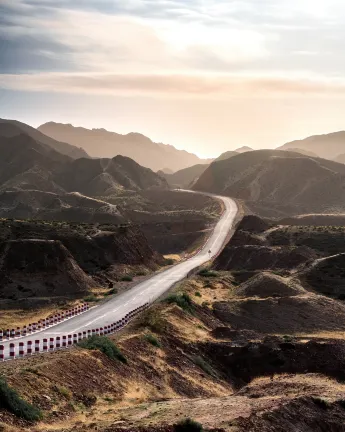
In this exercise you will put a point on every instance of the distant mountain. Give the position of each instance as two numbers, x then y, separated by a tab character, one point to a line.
26	164
326	146
340	158
302	151
186	177
11	128
281	181
244	149
227	155
101	143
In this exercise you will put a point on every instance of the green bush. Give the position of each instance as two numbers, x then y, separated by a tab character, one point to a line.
111	292
152	340
182	300
10	400
188	425
127	278
207	273
105	345
169	261
197	294
199	361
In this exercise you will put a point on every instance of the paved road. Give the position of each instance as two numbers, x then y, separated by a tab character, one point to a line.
149	290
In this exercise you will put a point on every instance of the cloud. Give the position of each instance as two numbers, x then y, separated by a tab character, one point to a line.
219	86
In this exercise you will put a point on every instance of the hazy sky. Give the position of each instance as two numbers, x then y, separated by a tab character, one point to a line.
204	75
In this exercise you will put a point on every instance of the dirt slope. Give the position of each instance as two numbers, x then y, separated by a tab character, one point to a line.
40	268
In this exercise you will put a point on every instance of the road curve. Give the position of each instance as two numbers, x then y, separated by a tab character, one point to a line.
147	291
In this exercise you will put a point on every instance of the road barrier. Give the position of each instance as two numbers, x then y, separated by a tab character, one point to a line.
42	323
68	340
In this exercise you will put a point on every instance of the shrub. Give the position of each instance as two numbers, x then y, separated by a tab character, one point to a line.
91	298
199	361
322	403
188	425
153	320
127	278
105	345
182	300
111	292
10	400
197	294
341	402
207	273
169	262
152	340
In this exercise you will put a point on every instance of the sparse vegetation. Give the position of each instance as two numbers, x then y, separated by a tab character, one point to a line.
182	300
153	319
153	340
199	361
91	299
169	262
188	425
10	400
207	273
197	294
105	345
63	391
127	278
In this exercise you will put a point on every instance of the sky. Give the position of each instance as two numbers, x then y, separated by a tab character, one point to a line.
206	76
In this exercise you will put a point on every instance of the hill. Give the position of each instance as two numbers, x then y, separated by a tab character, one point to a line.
243	149
102	177
11	128
340	158
26	164
278	183
102	143
186	177
73	207
327	146
227	155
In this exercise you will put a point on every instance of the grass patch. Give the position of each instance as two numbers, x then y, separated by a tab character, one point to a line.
91	299
199	361
153	340
182	300
188	425
127	278
105	345
10	400
65	392
207	273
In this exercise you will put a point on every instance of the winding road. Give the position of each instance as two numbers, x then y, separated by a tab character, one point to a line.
146	291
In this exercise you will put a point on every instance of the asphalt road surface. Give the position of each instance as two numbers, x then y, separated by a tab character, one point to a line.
149	290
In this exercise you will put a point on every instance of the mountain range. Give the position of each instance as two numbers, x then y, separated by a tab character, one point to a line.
275	182
102	143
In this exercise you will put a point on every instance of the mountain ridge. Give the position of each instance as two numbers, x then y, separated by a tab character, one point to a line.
103	143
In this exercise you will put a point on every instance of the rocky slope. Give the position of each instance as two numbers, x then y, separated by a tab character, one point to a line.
274	183
101	143
12	128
